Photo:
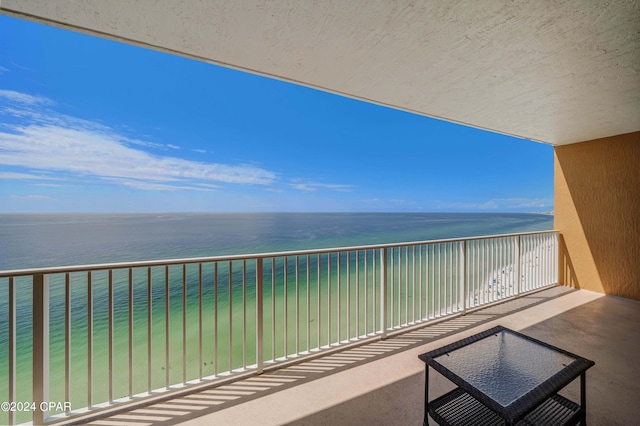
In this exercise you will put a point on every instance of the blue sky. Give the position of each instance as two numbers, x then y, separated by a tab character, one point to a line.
88	124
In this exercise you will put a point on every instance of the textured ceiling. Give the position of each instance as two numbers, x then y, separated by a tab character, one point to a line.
553	71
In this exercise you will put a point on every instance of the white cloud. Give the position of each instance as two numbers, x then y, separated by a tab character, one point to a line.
498	204
314	186
525	202
31	197
3	70
401	202
152	186
25	176
53	142
87	152
25	99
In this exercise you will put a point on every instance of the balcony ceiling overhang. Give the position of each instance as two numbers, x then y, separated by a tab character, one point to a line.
558	72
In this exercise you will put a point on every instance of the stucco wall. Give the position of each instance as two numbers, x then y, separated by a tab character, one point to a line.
597	210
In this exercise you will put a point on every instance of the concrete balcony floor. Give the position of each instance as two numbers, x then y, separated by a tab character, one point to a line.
382	382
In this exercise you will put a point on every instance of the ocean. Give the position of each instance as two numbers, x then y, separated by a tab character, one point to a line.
63	239
50	240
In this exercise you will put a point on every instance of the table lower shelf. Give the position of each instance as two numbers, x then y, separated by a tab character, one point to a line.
458	408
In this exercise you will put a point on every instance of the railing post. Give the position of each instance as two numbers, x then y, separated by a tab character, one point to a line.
517	267
12	348
383	291
555	258
40	347
259	316
463	273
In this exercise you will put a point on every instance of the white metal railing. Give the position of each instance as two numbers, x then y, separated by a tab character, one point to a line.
96	335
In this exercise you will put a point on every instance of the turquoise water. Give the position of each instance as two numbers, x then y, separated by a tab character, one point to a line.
42	240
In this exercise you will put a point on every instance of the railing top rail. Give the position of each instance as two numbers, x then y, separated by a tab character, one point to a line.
195	260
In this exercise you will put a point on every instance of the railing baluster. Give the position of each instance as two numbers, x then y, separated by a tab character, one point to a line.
319	312
406	285
230	316
413	281
525	265
498	266
438	248
423	283
449	272
110	338
473	248
456	278
244	313
285	284
328	299
366	292
447	279
516	268
539	265
349	295
184	324
534	265
463	275
339	298
357	294
494	262
200	360
149	325
297	305
392	304
273	308
545	261
259	316
167	331
384	284
67	341
216	285
12	350
130	314
40	345
374	284
490	270
479	273
308	303
399	286
89	340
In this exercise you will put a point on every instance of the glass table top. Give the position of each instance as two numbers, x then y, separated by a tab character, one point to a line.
504	366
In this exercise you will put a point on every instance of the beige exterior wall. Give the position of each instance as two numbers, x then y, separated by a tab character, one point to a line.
597	211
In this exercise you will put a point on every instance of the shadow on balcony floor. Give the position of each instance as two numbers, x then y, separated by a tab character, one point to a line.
381	382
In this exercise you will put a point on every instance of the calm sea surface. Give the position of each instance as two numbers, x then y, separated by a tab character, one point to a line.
41	240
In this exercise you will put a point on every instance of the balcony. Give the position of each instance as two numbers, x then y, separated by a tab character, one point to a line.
339	331
326	356
105	336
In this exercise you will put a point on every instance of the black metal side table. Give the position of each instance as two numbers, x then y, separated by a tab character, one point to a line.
505	377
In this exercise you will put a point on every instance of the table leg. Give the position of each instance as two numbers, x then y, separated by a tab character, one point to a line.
426	396
583	398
